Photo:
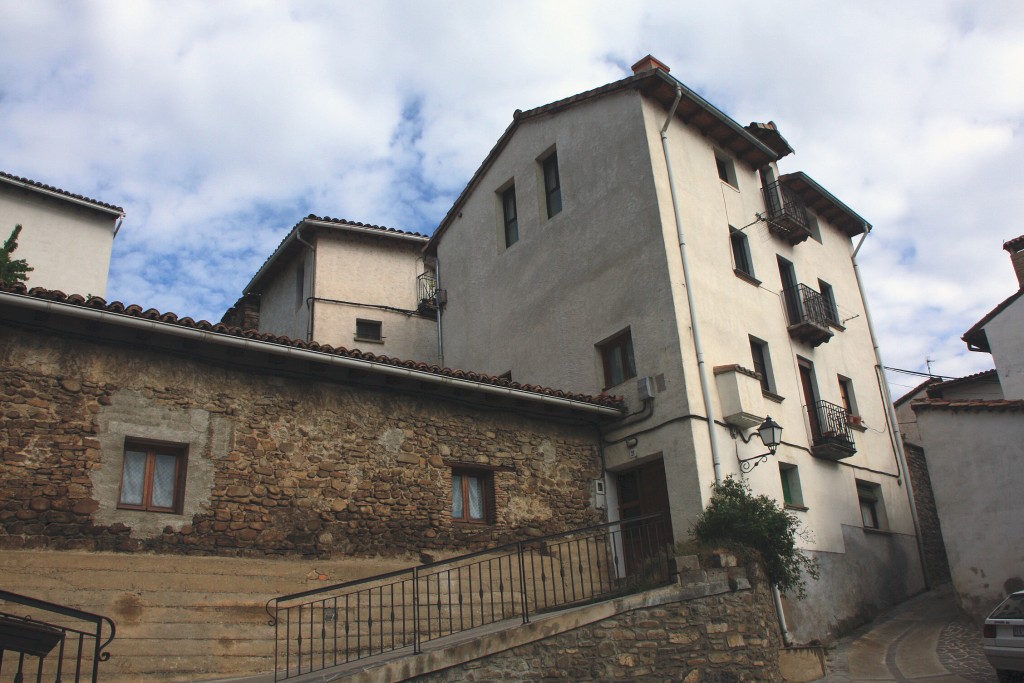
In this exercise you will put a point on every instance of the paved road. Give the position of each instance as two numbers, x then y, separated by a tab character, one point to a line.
926	638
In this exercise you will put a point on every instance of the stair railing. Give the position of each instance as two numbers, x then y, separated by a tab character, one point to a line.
330	626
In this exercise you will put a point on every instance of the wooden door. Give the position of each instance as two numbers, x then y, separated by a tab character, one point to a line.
810	396
644	491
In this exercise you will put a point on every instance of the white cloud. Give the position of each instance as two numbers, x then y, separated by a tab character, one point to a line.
219	125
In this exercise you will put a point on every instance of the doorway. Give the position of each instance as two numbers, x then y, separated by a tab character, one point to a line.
810	392
643	491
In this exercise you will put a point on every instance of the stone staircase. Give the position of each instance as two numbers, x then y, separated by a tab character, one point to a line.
178	618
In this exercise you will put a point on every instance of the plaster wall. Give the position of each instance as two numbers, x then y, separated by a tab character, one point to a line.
67	245
284	311
1005	335
973	460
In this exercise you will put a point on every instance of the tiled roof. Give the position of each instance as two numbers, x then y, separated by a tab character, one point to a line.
968	404
135	311
984	376
341	223
825	204
1016	244
975	337
56	190
915	391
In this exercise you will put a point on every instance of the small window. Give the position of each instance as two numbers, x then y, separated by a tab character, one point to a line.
617	358
369	330
472	496
726	169
762	364
552	185
792	495
872	508
847	395
509	216
813	227
152	477
831	312
741	252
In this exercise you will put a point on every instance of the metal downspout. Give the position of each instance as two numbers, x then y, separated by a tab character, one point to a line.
701	369
311	301
894	426
437	305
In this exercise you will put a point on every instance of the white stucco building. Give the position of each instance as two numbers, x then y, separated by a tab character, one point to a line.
562	266
66	238
971	430
346	284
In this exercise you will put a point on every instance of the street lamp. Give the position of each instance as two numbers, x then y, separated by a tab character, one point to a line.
771	436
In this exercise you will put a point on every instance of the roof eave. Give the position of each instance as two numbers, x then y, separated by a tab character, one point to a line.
116	212
853	225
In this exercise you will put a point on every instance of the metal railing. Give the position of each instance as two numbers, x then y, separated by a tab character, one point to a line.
426	288
327	627
830	425
804	305
32	628
785	208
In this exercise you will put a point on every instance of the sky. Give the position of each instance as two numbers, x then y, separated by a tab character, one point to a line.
217	126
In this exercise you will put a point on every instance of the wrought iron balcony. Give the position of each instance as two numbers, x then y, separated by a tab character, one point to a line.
810	315
830	431
426	293
787	215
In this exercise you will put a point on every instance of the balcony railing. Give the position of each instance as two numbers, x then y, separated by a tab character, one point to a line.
810	315
50	642
331	626
787	215
426	293
830	430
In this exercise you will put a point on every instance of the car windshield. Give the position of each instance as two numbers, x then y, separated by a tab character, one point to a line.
1011	608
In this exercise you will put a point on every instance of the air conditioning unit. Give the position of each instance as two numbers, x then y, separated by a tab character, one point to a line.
645	388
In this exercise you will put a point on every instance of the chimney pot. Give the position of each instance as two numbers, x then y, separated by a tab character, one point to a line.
649	63
1016	249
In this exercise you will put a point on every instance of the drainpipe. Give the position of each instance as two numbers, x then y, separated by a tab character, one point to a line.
894	426
311	301
701	369
437	305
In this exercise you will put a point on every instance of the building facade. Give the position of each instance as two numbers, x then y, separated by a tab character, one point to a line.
635	240
66	238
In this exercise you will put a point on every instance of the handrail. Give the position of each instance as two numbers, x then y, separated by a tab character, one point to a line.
329	626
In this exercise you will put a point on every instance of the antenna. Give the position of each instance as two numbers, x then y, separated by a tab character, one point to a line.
928	364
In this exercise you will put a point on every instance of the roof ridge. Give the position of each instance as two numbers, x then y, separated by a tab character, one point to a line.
136	311
35	184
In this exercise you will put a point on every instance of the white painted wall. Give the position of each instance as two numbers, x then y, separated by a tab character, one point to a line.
67	245
1005	335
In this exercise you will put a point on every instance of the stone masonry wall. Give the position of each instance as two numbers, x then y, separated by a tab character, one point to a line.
928	516
276	465
723	637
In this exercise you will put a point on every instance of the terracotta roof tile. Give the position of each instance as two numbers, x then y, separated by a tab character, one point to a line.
916	390
968	404
135	311
57	190
1015	244
936	390
976	337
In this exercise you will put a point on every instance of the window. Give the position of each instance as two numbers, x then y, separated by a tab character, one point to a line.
762	364
813	227
617	358
741	252
472	495
552	185
847	395
831	312
369	330
792	495
152	477
872	509
726	169
509	216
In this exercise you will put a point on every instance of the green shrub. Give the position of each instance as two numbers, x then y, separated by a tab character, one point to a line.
737	519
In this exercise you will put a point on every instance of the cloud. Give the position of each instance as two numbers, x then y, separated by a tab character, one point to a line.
219	125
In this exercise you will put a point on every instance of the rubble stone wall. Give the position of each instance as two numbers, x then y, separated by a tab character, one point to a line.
276	464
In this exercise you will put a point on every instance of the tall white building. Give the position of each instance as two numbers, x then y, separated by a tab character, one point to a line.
636	240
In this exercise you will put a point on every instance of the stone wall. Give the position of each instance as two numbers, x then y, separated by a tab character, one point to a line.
277	464
928	517
679	634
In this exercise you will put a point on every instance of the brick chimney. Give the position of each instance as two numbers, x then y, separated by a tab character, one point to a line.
1016	249
649	63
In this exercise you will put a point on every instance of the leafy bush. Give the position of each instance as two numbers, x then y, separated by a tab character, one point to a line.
12	270
737	519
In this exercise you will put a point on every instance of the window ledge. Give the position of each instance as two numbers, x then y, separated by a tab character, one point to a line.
860	428
880	532
746	277
368	340
772	396
729	185
791	506
837	326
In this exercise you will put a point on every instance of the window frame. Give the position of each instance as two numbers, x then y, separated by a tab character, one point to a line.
152	449
847	396
743	262
486	478
509	220
871	506
378	339
620	344
760	347
552	193
792	491
828	294
726	169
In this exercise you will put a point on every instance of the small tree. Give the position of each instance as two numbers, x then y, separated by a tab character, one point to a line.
13	271
737	518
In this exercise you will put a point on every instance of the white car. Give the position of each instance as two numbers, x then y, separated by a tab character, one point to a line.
1004	638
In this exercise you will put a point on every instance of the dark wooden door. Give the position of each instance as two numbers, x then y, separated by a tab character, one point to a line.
644	491
810	397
